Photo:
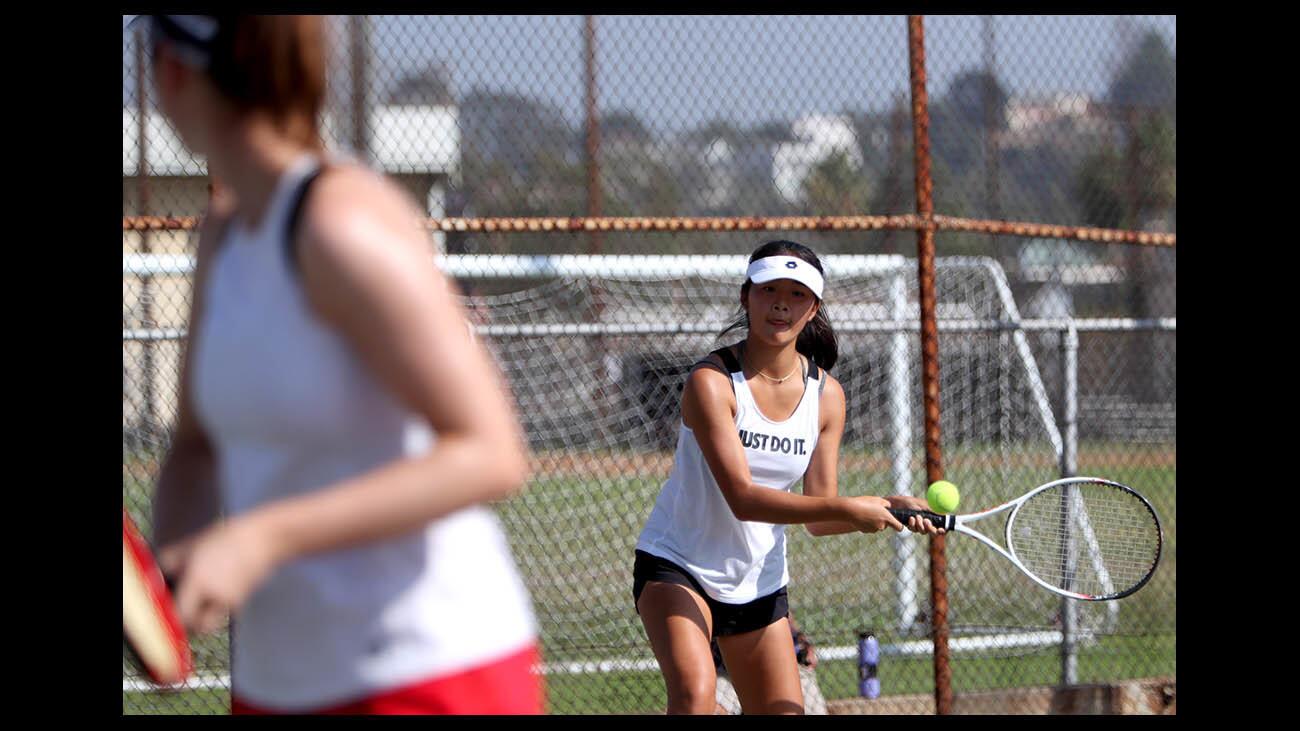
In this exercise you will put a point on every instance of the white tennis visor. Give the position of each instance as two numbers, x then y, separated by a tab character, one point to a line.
787	267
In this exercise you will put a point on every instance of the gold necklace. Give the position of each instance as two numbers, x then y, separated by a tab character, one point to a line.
780	380
798	363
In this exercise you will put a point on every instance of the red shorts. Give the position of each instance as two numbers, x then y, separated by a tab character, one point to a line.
509	686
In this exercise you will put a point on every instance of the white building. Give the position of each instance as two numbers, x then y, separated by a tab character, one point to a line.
817	137
418	146
720	183
1032	121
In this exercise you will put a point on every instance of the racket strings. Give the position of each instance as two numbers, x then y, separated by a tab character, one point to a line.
1089	538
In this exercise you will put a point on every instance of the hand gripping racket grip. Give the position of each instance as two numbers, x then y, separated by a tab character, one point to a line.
947	522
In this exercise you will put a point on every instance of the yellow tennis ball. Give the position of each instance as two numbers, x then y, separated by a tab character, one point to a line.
943	497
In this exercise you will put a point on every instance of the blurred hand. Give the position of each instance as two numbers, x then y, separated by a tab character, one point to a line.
215	572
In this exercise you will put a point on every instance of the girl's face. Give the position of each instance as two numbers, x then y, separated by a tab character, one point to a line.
779	310
183	97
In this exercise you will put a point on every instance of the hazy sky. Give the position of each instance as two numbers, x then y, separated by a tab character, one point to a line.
675	72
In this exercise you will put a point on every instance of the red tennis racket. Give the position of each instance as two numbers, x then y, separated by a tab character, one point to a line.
152	635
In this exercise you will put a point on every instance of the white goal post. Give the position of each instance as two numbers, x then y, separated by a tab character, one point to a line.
531	307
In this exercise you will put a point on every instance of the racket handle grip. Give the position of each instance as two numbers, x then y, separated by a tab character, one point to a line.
947	522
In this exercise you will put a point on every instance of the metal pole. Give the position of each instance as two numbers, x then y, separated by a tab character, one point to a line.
907	560
359	26
929	355
1140	365
594	199
146	242
991	128
1069	467
897	147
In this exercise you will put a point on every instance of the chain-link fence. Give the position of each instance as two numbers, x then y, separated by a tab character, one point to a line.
1058	120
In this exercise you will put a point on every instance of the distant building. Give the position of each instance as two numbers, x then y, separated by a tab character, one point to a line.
418	147
719	187
514	130
729	168
1038	120
762	167
816	137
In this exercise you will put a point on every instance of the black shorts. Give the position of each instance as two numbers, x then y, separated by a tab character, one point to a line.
728	619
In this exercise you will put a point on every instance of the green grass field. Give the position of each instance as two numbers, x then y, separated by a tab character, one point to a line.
643	692
574	536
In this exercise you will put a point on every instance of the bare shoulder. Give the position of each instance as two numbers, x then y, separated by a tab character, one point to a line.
832	397
710	362
349	197
709	381
361	240
358	180
833	387
353	207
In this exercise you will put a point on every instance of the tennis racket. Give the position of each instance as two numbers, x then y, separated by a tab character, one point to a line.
152	636
1080	537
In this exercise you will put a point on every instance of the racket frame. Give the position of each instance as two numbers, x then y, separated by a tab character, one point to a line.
159	599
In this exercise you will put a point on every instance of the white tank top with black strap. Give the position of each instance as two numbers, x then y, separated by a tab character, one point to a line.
290	408
691	523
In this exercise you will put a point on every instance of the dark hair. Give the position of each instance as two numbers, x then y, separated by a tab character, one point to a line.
817	339
269	63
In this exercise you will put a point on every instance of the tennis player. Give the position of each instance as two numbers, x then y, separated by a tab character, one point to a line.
756	417
339	434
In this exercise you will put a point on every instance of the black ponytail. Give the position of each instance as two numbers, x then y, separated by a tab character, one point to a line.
817	339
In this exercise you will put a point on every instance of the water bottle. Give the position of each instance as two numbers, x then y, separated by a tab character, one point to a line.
868	662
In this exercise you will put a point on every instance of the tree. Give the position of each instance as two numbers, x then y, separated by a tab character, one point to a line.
962	121
978	100
834	187
894	191
1098	186
623	126
1148	77
634	177
1128	182
519	158
717	129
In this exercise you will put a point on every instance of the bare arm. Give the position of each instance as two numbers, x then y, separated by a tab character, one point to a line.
708	409
185	496
822	477
368	271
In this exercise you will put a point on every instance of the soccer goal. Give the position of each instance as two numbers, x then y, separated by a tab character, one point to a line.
596	350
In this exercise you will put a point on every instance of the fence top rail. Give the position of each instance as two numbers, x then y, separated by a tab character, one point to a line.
1163	324
581	224
647	266
478	266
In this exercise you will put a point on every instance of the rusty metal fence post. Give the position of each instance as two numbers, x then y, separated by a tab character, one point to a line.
929	354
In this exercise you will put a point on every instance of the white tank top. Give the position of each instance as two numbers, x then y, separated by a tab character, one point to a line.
291	409
691	524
